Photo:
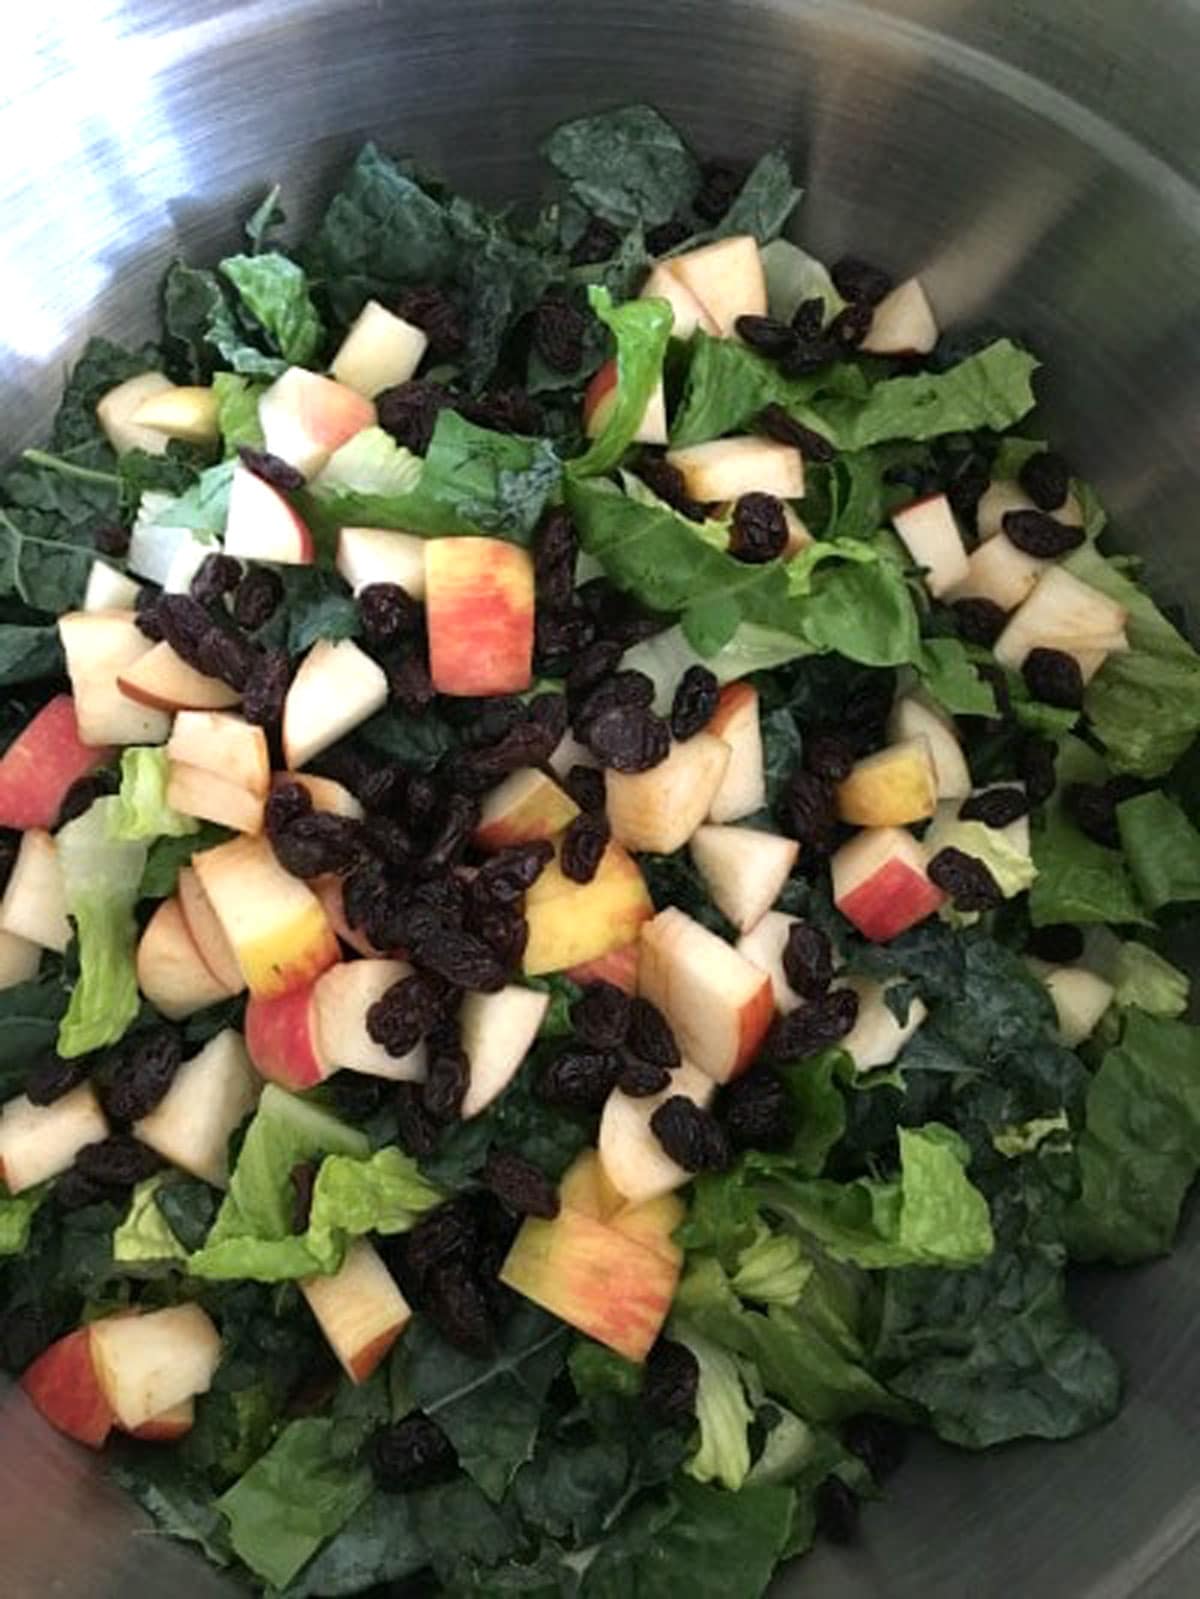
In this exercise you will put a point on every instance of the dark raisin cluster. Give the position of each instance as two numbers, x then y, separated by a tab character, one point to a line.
435	312
966	879
449	1264
812	1027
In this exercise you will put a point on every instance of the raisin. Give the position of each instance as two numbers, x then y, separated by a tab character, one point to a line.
266	689
583	846
460	958
555	550
756	1111
720	184
409	412
409	680
389	839
808	810
1094	808
808	960
481	722
828	756
558	333
460	817
649	1035
433	311
412	1453
808	319
859	281
979	621
110	538
995	807
579	1079
629	740
778	424
1059	943
617	616
216	576
287	803
81	796
146	614
558	637
53	1077
594	663
878	1441
837	1511
25	1330
640	1078
1053	677
600	1016
694	702
302	1178
118	1161
585	785
447	1078
143	1080
373	903
849	327
627	690
597	242
965	878
1040	535
381	788
810	357
318	843
1035	763
668	483
667	236
271	469
357	1097
759	530
257	598
417	1130
388	613
504	410
519	1184
442	1235
823	1023
184	623
504	930
508	876
528	744
671	1382
766	336
74	1190
1046	478
692	1137
458	1306
966	489
401	1017
547	717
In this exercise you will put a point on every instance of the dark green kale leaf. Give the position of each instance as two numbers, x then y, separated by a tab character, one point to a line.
628	166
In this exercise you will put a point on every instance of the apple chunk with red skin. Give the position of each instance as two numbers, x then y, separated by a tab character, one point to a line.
161	679
344	996
263	525
571	922
42	762
600	399
719	1005
306	417
894	786
171	972
284	1041
359	1308
210	1095
880	883
149	1363
64	1389
479	610
526	806
619	967
660	809
337	687
743	789
744	869
38	1142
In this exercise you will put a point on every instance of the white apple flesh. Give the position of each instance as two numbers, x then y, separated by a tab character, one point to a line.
929	531
497	1032
210	1095
150	1363
38	1142
336	688
344	995
34	906
744	869
634	1161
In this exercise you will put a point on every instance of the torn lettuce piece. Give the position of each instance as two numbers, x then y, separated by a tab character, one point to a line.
793	276
1010	865
145	1236
142	812
642	329
722	1412
1162	849
1142	978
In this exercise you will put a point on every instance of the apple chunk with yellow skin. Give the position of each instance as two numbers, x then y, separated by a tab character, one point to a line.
743	789
164	681
894	786
344	995
719	1005
171	972
527	806
880	883
190	413
41	763
599	401
570	922
284	1040
360	1310
117	408
725	469
306	417
210	1095
660	809
38	1142
149	1363
727	278
634	1161
479	609
913	718
274	923
64	1389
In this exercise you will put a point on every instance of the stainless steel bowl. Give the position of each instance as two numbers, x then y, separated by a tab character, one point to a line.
1035	160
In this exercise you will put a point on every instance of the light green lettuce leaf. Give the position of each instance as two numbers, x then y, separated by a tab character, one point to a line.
142	813
275	292
1144	979
1162	849
237	411
100	880
145	1236
1012	868
793	276
722	1411
642	329
772	1269
16	1218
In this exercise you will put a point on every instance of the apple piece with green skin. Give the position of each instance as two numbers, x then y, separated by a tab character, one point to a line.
305	418
912	717
262	524
359	1309
170	1425
19	960
109	590
479	609
162	680
686	311
619	967
727	278
599	401
744	869
526	806
1000	572
325	793
743	789
201	922
1063	613
118	407
210	1095
719	1004
929	531
725	469
171	972
877	1038
880	883
34	906
634	1161
660	809
595	1279
380	350
763	947
570	923
195	791
190	414
1004	495
497	1032
149	1363
367	555
38	1142
274	923
894	786
344	996
63	1387
228	745
903	323
42	763
1080	1000
337	687
284	1040
100	647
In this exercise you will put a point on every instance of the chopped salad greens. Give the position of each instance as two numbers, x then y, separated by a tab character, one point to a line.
593	845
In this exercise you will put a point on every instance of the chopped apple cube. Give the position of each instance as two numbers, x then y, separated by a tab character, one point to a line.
763	947
109	590
479	607
284	1040
262	524
634	1161
880	883
1080	1000
190	414
100	646
660	809
600	398
877	1037
233	748
210	1095
1062	614
1004	495
41	764
688	314
725	469
727	278
903	323
171	972
149	1363
528	805
34	906
19	960
895	785
117	409
1000	572
929	531
743	789
64	1389
344	996
744	869
337	687
38	1142
380	350
912	718
571	922
497	1032
305	418
193	791
360	1310
367	555
164	681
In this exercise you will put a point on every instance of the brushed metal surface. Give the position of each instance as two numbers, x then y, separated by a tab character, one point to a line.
1035	160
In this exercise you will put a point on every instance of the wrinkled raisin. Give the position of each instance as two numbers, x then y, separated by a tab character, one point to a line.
302	1179
555	550
409	681
849	327
433	311
600	1016
74	1190
668	483
597	242
584	843
558	331
1035	762
508	876
878	1441
692	1137
667	236
287	803
694	702
628	690
146	615
617	616
828	756
458	1306
756	1111
594	663
519	1184
505	410
118	1161
1035	533
442	1235
481	722
585	785
720	184
184	622
671	1382
819	1025
373	903
257	598
778	424
1094	808
460	958
216	576
418	1132
979	621
810	356
966	488
1059	943
388	612
1054	677
649	1035
1046	478
837	1511
460	817
141	1082
629	740
641	1078
412	1453
579	1079
110	538
995	807
272	469
504	930
409	412
759	530
547	715
766	336
808	318
228	655
859	281
401	1017
446	1081
381	787
387	838
318	843
808	960
53	1077
558	637
266	689
965	878
81	796
808	810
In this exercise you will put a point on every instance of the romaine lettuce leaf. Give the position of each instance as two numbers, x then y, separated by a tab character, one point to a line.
274	291
793	276
100	879
1162	849
1078	880
722	1413
1143	978
141	813
237	411
145	1236
16	1218
642	329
